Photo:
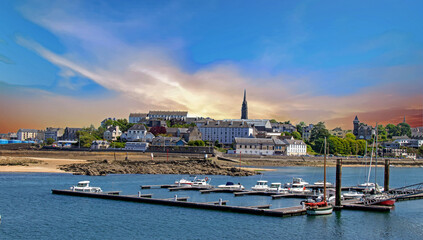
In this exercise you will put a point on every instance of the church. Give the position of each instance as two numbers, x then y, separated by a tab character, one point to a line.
362	130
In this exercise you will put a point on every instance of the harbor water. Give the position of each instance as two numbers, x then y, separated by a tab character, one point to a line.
30	211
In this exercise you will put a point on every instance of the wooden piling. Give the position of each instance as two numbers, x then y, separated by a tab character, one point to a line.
386	182
338	182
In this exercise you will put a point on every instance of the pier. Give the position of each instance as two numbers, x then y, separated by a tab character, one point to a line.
219	205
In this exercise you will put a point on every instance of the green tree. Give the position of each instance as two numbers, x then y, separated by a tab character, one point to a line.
198	143
49	141
404	129
286	134
273	121
319	131
392	130
382	134
350	136
300	126
85	138
296	135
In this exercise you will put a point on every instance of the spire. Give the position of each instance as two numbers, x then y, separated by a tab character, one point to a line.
404	119
356	118
245	97
244	109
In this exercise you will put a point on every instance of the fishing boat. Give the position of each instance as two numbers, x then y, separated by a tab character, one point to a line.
84	186
261	186
322	207
231	186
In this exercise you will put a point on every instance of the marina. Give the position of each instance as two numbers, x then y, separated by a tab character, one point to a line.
87	212
410	192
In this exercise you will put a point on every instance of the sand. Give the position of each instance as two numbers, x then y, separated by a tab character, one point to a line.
47	165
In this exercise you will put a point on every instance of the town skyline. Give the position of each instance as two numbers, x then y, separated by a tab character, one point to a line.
62	66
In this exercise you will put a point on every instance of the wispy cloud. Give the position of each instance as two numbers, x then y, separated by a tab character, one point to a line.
148	76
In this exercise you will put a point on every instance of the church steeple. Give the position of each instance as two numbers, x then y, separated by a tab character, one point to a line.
404	119
244	109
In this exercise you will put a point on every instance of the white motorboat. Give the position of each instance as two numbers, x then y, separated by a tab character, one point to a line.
184	182
231	186
84	186
277	188
201	182
298	185
321	183
260	186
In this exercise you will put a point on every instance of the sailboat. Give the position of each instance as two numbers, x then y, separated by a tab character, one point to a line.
322	207
374	195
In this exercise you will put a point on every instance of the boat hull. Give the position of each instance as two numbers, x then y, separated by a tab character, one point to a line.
390	202
320	211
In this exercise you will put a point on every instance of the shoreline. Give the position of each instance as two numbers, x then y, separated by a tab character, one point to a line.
39	161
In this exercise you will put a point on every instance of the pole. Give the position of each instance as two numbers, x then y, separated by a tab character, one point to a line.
240	160
387	173
338	182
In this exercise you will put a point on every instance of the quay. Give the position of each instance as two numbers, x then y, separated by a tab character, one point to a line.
219	205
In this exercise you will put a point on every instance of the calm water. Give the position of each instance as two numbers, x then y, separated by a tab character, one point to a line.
30	211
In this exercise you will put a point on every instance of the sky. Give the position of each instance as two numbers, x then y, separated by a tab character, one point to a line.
74	63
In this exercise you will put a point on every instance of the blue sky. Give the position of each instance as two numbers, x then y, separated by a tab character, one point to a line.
309	54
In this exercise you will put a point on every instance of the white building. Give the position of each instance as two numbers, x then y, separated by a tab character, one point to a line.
137	117
295	147
256	146
167	115
135	133
225	131
402	141
27	134
112	133
139	146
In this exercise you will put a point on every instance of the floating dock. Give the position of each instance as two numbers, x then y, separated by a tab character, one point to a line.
218	206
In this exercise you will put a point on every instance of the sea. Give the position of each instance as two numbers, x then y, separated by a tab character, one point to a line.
29	210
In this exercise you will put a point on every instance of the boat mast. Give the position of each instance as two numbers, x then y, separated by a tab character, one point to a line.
376	156
370	164
324	175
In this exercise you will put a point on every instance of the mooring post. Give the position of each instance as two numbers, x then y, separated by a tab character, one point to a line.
386	182
338	182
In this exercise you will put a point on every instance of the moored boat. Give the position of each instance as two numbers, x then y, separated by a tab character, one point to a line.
261	185
84	186
322	207
277	188
298	185
231	186
201	182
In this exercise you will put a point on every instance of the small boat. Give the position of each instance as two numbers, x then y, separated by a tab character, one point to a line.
298	185
378	199
320	184
231	186
277	188
260	186
201	182
84	186
185	181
